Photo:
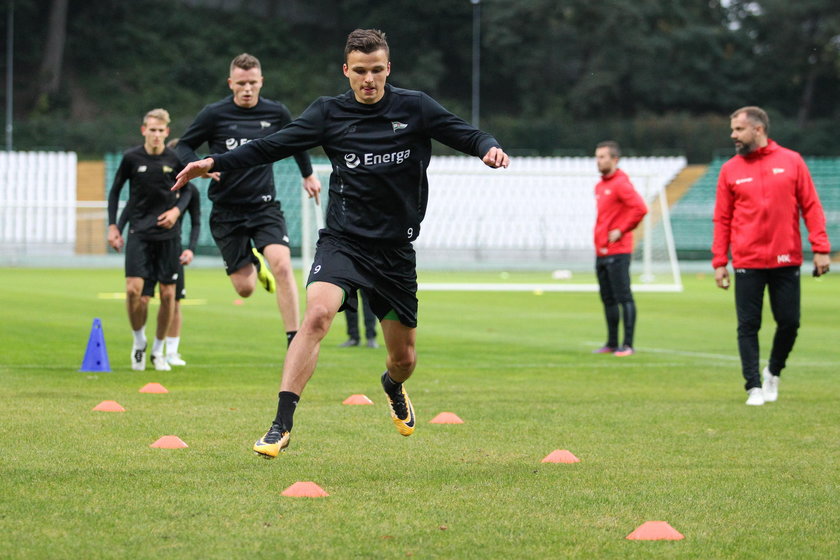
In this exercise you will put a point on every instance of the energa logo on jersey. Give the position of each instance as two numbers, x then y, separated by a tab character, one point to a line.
391	158
232	143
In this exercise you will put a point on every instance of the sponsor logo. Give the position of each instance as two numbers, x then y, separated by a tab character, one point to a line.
286	238
167	169
142	169
265	124
398	125
777	170
740	271
232	143
352	160
783	258
266	198
744	180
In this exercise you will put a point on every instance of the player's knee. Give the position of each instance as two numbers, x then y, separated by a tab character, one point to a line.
318	319
404	360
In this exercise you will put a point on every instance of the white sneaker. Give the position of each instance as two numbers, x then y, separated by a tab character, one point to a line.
755	395
160	362
769	385
175	360
138	359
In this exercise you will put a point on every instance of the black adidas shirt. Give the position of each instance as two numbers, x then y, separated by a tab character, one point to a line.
224	126
379	155
150	178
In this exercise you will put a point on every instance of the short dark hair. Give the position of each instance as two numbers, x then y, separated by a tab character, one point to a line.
245	61
366	41
756	115
615	149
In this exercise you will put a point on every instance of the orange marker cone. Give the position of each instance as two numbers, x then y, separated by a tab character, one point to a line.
655	531
304	490
357	399
109	406
153	388
238	302
560	456
446	418
169	442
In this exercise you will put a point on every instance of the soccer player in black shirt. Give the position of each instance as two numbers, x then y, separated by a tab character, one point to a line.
154	241
378	139
245	205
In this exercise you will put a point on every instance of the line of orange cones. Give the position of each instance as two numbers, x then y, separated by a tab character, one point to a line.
648	531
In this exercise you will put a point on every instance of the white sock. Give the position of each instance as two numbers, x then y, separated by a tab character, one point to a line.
140	338
172	345
157	347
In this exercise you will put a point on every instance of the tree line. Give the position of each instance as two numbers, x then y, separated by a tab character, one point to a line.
660	76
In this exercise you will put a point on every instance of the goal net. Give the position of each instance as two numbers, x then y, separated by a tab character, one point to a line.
537	216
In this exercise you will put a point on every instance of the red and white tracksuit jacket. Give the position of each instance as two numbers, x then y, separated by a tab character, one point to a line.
619	207
759	199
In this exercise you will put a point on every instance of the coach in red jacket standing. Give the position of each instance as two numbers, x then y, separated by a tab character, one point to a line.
620	209
761	193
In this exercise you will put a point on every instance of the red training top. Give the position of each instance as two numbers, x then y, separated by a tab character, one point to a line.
619	207
759	199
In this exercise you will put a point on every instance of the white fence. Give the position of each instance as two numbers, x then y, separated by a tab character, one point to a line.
37	202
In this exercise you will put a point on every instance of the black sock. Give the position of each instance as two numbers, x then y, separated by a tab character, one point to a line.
391	387
290	335
286	404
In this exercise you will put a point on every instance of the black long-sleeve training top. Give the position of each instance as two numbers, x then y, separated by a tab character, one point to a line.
150	178
379	155
224	125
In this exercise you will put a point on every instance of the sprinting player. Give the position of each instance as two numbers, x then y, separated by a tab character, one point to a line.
154	241
246	210
761	193
378	139
620	209
173	335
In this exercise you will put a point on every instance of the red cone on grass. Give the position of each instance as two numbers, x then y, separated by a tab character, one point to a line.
109	406
560	456
153	388
446	418
304	490
357	399
169	442
655	531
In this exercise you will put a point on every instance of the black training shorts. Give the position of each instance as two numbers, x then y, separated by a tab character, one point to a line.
386	274
234	226
180	288
157	260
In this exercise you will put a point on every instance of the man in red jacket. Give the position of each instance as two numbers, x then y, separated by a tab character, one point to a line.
761	193
620	209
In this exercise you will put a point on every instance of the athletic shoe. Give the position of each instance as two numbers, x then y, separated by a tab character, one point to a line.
769	385
755	396
272	443
264	274
402	413
605	350
371	343
160	362
349	343
624	351
175	360
138	359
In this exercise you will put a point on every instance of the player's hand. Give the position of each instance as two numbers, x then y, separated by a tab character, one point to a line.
496	158
193	169
115	238
186	257
312	186
722	277
214	176
169	218
614	235
822	263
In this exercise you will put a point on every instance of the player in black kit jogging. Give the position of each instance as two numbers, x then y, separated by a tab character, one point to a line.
378	139
245	205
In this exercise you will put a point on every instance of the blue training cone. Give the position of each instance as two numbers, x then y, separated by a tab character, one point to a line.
96	356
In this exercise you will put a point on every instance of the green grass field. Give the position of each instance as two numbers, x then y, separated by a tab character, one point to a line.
663	435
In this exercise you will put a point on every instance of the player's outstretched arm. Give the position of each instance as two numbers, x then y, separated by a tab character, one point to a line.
191	171
495	158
